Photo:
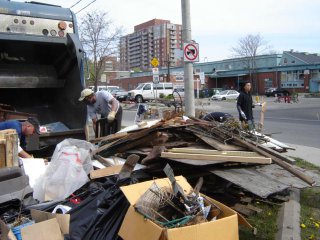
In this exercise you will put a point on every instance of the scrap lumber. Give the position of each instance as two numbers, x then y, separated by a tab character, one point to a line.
8	148
243	209
128	166
214	152
250	145
109	138
209	157
154	154
138	142
103	172
275	157
265	180
216	144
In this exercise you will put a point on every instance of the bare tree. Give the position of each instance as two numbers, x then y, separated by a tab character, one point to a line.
248	48
100	40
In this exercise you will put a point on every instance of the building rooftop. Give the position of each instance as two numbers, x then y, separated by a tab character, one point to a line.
309	58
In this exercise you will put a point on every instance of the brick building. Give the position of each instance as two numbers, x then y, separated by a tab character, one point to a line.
155	38
294	71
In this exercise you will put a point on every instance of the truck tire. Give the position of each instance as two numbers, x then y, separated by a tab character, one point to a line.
139	99
223	99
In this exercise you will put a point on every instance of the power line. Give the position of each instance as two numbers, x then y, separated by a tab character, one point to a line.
86	6
76	4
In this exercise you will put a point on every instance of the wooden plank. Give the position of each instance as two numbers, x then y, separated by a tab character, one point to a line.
138	142
265	180
243	210
11	150
2	155
110	137
277	158
260	160
214	152
217	145
104	172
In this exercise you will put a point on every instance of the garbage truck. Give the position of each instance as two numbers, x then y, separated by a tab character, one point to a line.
42	68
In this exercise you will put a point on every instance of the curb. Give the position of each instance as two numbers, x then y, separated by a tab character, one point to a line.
289	218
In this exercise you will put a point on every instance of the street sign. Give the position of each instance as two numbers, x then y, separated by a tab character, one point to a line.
202	77
191	52
155	71
154	62
155	79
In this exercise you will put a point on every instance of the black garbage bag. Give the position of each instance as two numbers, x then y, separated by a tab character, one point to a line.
101	214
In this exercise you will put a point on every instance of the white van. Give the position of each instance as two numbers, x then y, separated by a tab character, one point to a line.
149	91
108	88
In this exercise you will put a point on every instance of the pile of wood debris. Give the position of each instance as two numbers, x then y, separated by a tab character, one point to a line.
225	152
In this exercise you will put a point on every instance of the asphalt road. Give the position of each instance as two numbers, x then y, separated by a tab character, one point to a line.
296	123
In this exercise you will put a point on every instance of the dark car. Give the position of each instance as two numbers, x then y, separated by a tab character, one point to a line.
276	92
120	94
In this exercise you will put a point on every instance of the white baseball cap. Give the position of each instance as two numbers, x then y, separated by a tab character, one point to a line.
85	93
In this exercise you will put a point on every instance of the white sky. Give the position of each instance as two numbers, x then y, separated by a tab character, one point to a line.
217	25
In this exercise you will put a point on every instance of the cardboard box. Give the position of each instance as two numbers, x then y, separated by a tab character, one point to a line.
135	226
48	226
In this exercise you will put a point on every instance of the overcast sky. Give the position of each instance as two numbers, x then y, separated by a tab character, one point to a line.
217	25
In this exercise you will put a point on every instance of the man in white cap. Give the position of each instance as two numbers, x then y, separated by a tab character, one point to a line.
103	103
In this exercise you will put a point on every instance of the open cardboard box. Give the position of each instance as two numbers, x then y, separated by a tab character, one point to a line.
135	226
48	226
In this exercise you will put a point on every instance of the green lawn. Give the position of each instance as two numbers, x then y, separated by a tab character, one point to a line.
265	223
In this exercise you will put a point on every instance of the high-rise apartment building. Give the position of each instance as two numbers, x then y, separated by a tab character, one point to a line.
156	38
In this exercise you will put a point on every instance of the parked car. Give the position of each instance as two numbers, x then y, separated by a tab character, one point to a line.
120	94
149	91
276	91
227	94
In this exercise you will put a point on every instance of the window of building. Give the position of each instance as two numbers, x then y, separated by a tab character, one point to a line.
268	83
108	65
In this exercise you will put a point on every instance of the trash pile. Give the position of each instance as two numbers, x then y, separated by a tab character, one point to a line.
135	184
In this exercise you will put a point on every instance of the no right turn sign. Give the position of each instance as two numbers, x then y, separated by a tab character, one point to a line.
191	52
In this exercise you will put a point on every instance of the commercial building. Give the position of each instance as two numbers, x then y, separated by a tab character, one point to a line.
294	71
155	38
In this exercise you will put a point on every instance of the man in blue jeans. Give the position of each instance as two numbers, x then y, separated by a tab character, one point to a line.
23	129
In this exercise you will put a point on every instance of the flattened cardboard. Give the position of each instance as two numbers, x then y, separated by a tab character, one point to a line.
135	226
48	230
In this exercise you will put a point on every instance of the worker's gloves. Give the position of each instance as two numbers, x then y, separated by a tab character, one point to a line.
243	115
111	116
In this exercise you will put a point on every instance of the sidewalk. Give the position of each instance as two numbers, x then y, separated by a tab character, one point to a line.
309	154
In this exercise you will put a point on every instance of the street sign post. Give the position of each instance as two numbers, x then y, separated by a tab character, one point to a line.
155	62
191	52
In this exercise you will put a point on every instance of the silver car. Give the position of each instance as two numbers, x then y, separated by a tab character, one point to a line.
224	95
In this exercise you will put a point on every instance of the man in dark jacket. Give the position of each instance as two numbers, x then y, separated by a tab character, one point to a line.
245	105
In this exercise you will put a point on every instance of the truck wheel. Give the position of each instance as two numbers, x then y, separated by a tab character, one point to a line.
223	99
139	99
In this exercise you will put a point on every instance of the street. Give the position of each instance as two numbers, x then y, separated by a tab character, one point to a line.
296	123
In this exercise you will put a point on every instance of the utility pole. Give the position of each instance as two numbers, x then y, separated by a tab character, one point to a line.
168	52
188	66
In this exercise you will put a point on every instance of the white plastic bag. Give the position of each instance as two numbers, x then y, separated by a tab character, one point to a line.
67	172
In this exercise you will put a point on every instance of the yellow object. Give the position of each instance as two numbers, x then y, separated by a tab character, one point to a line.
111	116
302	225
257	99
316	225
